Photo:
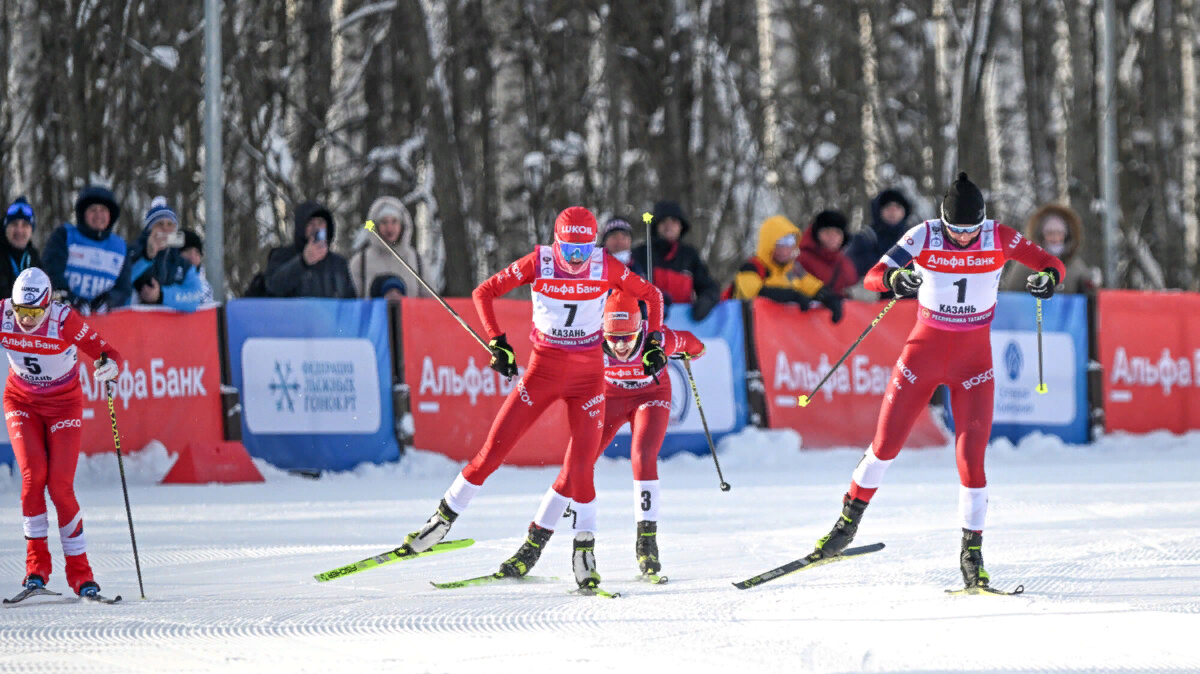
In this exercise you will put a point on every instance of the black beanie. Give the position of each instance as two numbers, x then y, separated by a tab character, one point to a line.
826	219
963	203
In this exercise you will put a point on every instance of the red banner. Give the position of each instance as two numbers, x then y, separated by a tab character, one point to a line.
795	349
169	388
1150	349
455	395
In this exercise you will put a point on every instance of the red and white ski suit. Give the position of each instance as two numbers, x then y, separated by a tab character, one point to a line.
567	362
951	345
43	407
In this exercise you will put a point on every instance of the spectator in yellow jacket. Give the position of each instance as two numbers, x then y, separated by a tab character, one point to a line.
775	274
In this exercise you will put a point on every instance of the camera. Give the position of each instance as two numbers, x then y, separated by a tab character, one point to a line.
175	239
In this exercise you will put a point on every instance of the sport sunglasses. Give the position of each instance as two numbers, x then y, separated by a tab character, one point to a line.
962	229
575	252
28	312
24	209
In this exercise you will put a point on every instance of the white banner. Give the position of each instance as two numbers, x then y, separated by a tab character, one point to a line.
1014	357
714	380
310	386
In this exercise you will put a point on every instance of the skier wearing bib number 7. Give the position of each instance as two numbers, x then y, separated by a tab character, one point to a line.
43	407
957	262
570	280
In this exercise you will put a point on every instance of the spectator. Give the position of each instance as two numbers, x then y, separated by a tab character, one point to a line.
193	252
17	246
889	220
1059	230
306	267
617	238
773	272
160	272
821	252
390	288
373	260
86	260
678	271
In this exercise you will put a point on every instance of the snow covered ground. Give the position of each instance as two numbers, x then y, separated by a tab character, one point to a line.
1105	539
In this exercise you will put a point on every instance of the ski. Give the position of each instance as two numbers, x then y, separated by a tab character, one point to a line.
492	578
984	590
391	556
595	592
27	593
805	563
652	578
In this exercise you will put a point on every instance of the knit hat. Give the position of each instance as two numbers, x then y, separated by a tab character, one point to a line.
827	219
615	225
382	284
95	194
192	240
20	210
385	206
963	203
159	210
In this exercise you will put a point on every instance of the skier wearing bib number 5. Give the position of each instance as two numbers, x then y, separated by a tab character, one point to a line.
956	262
43	407
570	280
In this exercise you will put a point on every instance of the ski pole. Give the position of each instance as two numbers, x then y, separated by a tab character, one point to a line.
112	414
370	226
1041	387
805	399
687	365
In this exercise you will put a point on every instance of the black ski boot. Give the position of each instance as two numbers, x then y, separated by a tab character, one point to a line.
434	530
583	561
528	554
832	544
970	560
646	548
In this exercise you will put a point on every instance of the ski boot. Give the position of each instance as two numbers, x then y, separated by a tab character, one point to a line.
833	543
89	589
528	554
34	582
970	561
583	561
646	548
433	532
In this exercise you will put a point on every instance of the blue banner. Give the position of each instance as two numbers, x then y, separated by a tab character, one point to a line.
315	377
1019	409
720	378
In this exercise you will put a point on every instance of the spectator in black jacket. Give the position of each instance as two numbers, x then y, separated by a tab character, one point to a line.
17	247
889	221
307	268
678	271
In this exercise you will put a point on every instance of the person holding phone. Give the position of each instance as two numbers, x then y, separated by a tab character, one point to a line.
161	273
306	267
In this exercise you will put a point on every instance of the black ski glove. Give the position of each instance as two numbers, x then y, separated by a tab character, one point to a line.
653	358
903	282
832	300
1041	285
503	360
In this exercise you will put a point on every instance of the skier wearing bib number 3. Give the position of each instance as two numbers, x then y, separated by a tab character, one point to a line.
571	280
43	407
958	260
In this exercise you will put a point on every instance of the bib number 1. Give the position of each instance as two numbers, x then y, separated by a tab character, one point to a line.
961	284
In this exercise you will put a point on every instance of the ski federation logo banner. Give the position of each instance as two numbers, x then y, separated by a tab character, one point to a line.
315	381
1149	346
796	349
169	388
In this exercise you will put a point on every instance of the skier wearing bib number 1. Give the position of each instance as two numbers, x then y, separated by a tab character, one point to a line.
957	263
571	280
43	407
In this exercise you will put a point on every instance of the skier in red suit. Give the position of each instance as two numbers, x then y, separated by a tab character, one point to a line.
956	265
570	280
633	397
43	407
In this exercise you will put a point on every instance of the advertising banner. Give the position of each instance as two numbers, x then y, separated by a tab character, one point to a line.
169	388
1150	351
796	349
315	380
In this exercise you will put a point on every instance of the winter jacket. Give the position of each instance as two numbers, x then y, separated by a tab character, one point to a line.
373	258
288	275
13	262
183	286
762	276
89	267
871	243
832	267
678	271
1080	277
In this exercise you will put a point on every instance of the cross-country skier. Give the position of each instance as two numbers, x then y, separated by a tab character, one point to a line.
955	269
571	280
43	406
631	396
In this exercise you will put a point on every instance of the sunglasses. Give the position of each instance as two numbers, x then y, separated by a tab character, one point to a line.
623	338
29	312
575	252
962	229
24	209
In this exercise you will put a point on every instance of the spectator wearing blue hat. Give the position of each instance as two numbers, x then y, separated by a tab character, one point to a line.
17	247
390	288
161	273
86	260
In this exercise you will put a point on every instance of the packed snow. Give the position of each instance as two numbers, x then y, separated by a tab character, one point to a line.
1104	539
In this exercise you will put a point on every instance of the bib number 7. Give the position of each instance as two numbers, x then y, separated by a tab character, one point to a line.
572	308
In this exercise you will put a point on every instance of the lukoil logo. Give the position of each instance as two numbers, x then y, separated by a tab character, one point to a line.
66	423
575	229
1013	360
